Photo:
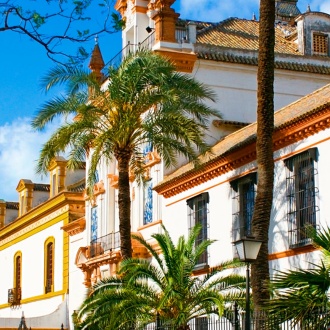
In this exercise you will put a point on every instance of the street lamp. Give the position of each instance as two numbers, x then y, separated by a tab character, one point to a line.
247	249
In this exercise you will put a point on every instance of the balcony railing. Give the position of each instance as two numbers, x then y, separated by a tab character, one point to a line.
181	36
105	243
147	43
235	320
14	296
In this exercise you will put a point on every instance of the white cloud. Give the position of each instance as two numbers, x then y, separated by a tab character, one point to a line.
19	150
215	11
325	7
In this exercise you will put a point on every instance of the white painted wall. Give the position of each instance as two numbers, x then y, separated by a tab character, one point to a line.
32	248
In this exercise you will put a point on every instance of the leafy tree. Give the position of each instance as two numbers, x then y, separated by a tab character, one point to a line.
164	290
264	148
301	295
55	24
145	102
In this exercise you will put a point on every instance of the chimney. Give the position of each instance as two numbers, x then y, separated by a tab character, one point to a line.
57	173
25	190
2	212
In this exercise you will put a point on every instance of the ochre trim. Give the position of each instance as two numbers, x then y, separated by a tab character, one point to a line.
91	266
52	208
184	62
38	298
75	227
49	240
286	135
18	254
140	9
151	224
98	188
121	6
209	171
292	252
33	228
66	259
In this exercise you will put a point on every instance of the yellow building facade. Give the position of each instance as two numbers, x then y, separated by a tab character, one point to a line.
34	250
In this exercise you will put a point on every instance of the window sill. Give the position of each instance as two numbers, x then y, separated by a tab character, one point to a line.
201	269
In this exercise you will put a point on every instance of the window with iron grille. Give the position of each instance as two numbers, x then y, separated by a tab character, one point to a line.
197	214
320	44
244	191
201	323
301	192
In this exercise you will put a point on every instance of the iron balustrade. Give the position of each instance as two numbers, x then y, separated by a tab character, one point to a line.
181	36
235	319
105	243
14	295
115	62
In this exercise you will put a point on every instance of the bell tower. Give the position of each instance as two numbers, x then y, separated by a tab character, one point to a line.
286	10
151	24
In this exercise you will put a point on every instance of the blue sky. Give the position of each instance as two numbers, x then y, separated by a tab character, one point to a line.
23	63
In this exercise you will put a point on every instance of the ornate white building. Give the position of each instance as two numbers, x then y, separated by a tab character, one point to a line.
220	196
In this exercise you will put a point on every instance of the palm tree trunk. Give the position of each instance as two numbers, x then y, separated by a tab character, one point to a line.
264	148
124	204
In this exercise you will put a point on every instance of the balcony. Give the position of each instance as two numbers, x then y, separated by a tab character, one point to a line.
104	243
181	35
147	43
14	296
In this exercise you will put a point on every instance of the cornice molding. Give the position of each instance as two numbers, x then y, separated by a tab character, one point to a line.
241	154
75	227
184	62
70	201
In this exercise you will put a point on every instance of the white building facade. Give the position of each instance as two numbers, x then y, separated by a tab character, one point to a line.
224	57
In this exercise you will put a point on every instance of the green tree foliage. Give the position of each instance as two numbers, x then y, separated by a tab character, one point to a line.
164	289
56	24
145	102
302	295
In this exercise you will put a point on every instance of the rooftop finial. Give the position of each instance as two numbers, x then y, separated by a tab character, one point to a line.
96	40
308	8
254	18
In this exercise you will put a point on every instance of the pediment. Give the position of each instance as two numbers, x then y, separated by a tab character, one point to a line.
24	184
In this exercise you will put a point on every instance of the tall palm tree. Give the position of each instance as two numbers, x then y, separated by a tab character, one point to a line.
144	102
264	148
163	290
302	295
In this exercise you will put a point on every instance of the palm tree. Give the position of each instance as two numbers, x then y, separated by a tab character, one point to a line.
302	295
144	102
264	148
163	290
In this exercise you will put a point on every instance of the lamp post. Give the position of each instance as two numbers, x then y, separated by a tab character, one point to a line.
247	249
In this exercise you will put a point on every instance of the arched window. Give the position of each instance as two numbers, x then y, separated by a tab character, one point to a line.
49	265
16	291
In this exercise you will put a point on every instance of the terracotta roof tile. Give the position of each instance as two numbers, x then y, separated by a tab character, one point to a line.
41	187
12	205
287	9
303	107
215	53
243	34
77	186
